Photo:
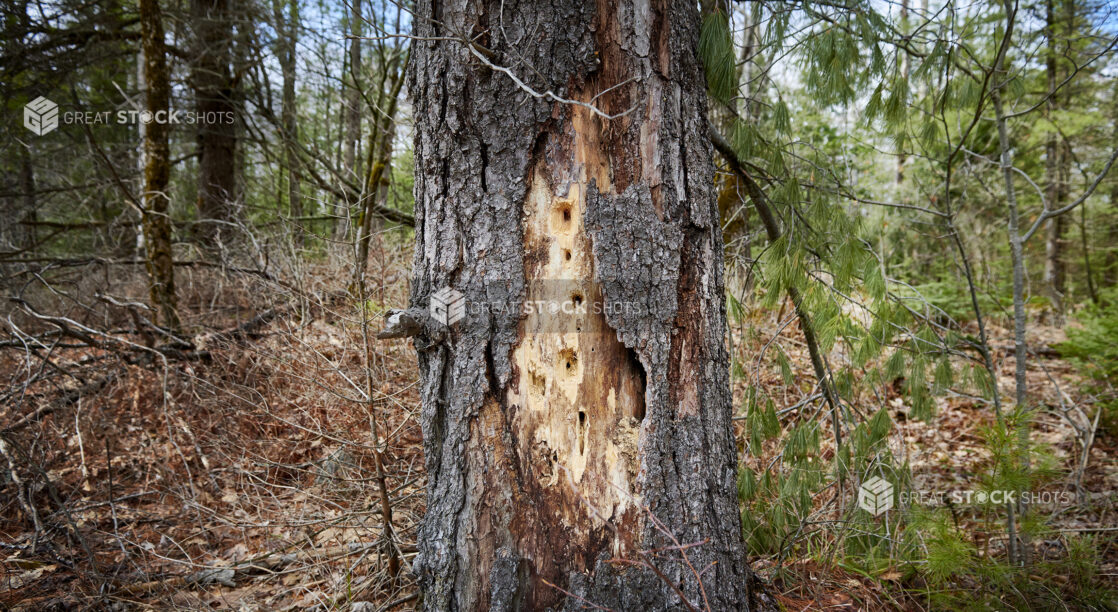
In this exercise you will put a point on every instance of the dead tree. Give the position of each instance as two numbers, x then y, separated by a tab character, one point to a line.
562	157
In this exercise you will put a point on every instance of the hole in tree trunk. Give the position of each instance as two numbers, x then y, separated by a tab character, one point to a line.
568	363
635	362
581	432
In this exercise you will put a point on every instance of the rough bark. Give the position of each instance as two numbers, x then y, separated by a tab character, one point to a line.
560	456
157	169
1055	269
212	80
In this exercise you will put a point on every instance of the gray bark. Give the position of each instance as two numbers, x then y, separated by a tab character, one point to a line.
549	452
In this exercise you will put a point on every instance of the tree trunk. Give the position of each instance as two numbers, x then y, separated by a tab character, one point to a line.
287	29
562	450
24	232
217	137
374	188
1110	275
1018	550
902	159
353	94
352	105
157	169
1054	273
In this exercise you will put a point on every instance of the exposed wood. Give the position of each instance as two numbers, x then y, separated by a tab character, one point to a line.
559	453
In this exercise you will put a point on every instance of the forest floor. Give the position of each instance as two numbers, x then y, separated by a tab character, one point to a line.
242	475
948	456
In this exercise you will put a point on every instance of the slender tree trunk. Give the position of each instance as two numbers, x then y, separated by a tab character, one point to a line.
1088	272
1016	241
1055	271
1016	249
217	137
902	159
353	106
141	149
353	93
753	90
753	78
24	230
1055	159
1110	276
288	32
157	169
244	56
561	451
380	159
1018	550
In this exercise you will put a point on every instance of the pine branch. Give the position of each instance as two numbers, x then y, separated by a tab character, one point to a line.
772	229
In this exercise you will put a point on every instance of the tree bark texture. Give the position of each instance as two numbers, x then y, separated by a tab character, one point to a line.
157	169
559	459
212	79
